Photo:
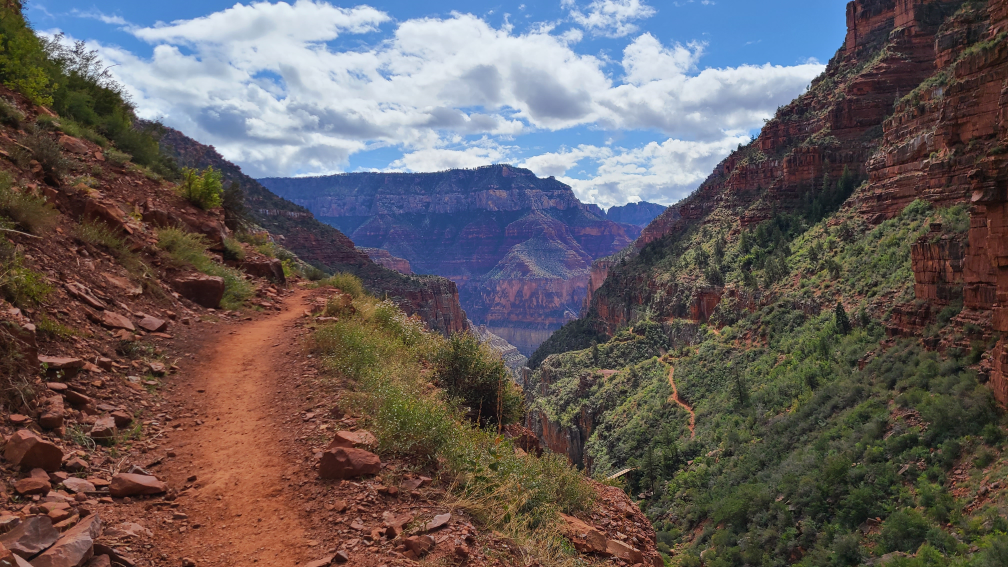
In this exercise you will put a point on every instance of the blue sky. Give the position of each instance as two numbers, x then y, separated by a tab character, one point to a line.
623	99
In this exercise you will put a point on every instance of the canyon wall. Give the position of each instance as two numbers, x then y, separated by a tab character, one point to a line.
890	107
519	247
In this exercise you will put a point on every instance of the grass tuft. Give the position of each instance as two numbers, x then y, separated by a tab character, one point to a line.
29	212
189	249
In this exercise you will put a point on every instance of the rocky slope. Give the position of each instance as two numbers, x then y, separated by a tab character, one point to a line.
804	298
518	247
433	299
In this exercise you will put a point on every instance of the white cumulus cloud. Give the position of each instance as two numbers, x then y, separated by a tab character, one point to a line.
299	88
611	18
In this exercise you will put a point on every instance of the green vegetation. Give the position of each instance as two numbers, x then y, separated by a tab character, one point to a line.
101	236
74	82
807	424
9	115
204	188
478	381
383	357
19	284
187	249
347	283
23	209
40	146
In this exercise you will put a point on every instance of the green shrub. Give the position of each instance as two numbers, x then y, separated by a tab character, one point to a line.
29	212
42	148
345	282
23	61
905	530
9	115
203	189
19	284
233	250
115	157
100	235
236	214
476	378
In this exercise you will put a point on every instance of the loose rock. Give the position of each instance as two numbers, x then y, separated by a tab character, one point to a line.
74	548
347	462
29	451
33	536
125	484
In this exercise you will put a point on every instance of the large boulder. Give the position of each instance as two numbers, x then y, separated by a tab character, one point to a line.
31	537
201	289
29	451
126	484
74	548
347	462
269	268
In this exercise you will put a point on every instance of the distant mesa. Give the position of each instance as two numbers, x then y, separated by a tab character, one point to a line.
518	246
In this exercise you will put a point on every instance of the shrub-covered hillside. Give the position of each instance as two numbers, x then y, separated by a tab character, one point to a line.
811	424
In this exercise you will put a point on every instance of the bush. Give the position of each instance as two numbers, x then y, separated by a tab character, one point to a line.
233	250
99	234
19	284
115	157
347	283
29	212
42	148
905	530
203	189
476	378
9	115
236	214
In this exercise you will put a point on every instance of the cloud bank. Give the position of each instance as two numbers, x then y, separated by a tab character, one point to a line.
299	88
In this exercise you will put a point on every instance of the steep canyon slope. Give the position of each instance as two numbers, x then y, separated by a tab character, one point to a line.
831	302
518	246
434	299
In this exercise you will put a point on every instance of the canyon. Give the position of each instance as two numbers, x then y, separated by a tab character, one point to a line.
519	247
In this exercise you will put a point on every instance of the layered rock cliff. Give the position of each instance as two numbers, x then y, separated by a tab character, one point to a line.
896	99
518	246
434	299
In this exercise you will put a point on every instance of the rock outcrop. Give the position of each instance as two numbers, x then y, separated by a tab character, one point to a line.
519	247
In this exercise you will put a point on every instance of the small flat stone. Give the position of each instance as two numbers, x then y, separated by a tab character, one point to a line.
77	485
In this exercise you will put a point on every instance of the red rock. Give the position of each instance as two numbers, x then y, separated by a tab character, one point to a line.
76	465
99	561
77	399
153	324
203	290
29	451
623	551
31	485
18	419
84	294
77	485
106	213
419	545
34	535
157	368
356	439
347	462
324	562
73	145
341	557
585	538
438	522
104	428
53	413
122	419
56	386
74	548
125	484
269	268
8	559
113	320
68	365
394	523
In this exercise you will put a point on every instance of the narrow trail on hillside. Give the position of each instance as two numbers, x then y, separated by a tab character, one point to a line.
675	398
240	498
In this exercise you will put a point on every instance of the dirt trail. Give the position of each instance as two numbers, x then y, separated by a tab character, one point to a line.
240	500
675	398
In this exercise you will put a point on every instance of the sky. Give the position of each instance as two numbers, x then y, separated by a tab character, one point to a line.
624	100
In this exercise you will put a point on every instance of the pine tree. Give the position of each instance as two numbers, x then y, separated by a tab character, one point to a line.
843	325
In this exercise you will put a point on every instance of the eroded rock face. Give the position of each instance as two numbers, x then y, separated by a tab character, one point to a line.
518	247
385	259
